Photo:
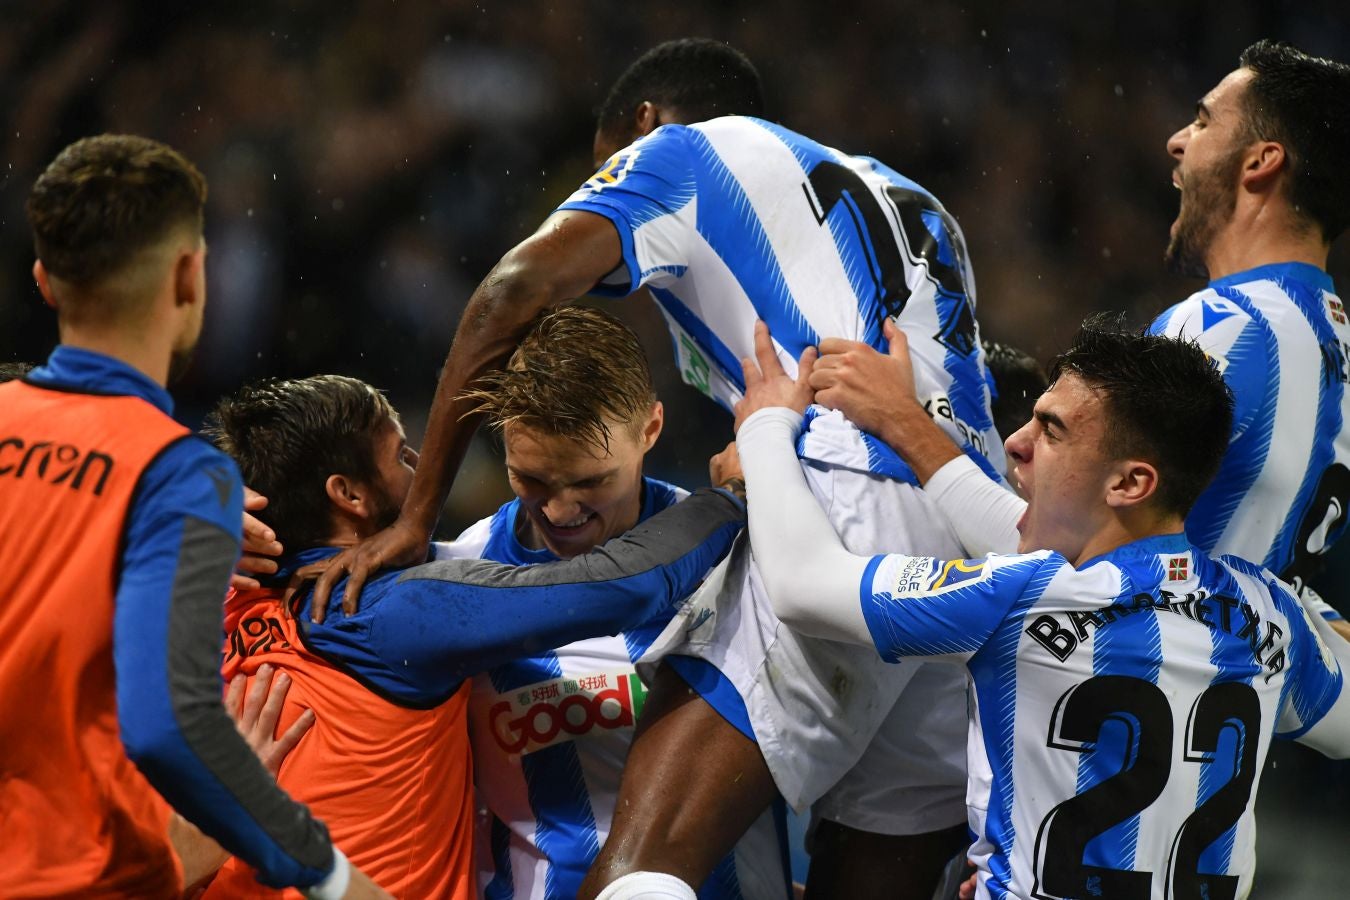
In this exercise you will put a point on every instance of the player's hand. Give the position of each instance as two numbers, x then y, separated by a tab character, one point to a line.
256	709
724	471
967	889
767	384
401	544
260	545
871	388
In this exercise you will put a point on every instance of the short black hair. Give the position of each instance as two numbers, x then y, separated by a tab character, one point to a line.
1019	382
288	436
1303	102
1165	402
699	77
106	198
9	371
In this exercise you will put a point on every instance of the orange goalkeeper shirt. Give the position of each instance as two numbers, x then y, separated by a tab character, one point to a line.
392	781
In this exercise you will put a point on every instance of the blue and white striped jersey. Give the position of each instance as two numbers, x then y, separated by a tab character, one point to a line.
737	218
550	735
1281	337
1121	712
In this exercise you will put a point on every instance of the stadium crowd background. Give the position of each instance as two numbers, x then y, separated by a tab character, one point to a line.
369	160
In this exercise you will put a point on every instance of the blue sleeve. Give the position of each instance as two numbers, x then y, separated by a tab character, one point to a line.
649	180
180	542
1314	680
920	606
432	626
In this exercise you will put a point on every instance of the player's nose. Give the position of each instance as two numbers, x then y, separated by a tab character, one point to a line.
561	509
1019	443
1176	144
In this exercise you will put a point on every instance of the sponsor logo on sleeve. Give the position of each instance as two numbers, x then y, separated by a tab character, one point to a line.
615	169
923	575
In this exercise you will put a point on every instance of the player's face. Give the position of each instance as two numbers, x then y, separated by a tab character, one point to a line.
1061	470
395	463
1208	154
575	495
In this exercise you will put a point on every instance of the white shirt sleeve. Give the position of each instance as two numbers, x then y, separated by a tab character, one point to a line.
983	514
812	579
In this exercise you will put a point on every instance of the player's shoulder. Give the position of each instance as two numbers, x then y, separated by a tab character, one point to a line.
192	475
472	541
1201	312
662	494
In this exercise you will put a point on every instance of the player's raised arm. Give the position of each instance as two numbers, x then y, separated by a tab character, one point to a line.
561	261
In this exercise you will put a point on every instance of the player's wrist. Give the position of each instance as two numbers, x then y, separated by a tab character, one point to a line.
334	885
735	485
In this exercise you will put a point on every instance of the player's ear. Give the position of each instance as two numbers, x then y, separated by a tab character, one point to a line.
1262	164
652	430
44	283
1131	482
347	496
647	118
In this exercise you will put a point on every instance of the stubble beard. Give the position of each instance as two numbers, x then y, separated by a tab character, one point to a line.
1208	201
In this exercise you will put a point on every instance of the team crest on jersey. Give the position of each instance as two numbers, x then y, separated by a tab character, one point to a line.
1178	568
1337	310
614	170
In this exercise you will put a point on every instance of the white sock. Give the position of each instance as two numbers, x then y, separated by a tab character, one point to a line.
648	886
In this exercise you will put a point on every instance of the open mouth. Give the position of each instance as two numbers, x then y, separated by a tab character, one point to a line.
570	528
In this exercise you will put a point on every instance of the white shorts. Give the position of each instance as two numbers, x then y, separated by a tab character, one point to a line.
881	746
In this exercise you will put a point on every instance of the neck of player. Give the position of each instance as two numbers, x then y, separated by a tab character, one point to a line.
1263	232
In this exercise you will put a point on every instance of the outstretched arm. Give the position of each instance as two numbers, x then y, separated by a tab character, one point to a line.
442	622
561	261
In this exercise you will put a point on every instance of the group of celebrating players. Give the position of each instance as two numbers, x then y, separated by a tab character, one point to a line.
1064	664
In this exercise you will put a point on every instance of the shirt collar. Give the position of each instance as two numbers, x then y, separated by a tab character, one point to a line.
94	372
1293	271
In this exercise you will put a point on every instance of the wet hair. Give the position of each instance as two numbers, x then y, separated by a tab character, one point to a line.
1303	103
9	371
699	78
1164	399
576	370
288	437
1019	382
106	199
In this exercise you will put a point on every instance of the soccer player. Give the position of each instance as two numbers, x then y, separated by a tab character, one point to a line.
1125	684
551	729
724	222
388	761
118	529
1263	195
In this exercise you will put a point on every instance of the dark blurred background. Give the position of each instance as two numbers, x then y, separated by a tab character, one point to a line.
370	160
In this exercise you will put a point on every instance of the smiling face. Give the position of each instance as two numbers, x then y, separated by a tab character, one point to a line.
1209	155
576	495
1062	470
